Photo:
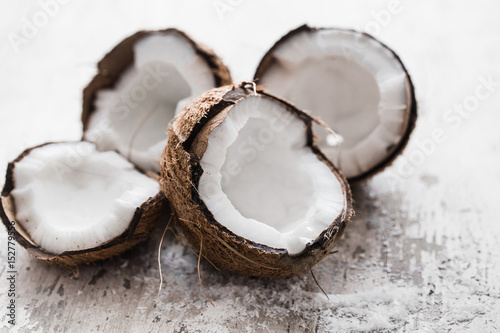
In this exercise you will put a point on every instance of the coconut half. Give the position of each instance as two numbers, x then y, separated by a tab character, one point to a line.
250	189
354	83
142	83
73	204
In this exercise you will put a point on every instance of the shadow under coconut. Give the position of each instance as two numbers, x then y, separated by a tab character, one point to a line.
375	243
365	254
361	238
362	244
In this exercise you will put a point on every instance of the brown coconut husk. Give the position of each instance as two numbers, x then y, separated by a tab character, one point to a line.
112	66
181	171
146	217
268	61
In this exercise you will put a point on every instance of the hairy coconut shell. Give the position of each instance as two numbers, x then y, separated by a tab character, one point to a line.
180	175
145	218
112	66
269	60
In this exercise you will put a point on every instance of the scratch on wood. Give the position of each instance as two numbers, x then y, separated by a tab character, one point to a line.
126	283
53	285
97	276
60	291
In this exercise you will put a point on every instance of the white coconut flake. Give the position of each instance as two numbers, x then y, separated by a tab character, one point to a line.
69	196
263	183
133	116
352	82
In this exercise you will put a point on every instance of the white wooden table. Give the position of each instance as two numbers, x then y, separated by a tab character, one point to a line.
422	251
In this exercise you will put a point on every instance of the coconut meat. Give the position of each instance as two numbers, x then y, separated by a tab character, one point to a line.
69	196
350	81
261	180
132	117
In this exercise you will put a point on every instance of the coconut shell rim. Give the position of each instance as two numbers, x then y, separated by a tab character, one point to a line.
411	110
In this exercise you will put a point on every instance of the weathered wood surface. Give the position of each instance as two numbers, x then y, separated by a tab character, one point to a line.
422	251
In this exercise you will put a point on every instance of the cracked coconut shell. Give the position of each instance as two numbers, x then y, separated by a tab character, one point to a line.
144	219
180	178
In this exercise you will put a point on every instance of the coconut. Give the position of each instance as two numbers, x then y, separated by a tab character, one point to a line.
249	188
354	83
71	204
141	84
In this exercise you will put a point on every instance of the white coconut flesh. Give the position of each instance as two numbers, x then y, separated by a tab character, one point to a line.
69	196
133	116
262	182
354	84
